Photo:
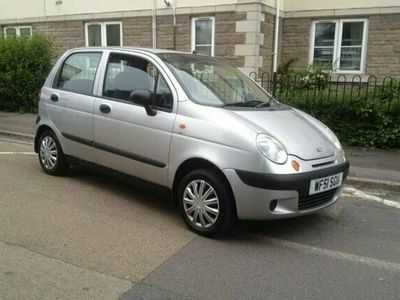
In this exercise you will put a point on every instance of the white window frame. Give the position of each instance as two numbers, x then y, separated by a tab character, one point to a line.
17	30
103	30
193	34
338	42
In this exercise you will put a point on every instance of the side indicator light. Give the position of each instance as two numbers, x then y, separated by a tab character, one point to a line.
342	154
295	165
182	125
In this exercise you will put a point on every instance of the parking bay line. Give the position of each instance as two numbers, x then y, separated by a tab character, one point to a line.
350	191
369	261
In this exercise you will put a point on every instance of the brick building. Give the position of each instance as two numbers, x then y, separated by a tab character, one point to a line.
356	36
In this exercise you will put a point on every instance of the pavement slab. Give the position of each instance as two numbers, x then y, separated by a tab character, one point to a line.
41	277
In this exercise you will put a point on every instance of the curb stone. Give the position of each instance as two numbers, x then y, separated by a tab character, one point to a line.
23	136
373	183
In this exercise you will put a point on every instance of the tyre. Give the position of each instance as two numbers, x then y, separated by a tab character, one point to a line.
51	156
206	202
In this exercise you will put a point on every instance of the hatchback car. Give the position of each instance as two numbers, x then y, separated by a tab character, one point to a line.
192	125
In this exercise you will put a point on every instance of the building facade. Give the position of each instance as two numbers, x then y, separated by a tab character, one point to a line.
355	36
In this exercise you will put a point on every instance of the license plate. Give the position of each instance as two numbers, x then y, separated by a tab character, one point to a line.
325	184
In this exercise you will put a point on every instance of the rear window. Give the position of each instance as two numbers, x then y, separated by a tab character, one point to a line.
78	72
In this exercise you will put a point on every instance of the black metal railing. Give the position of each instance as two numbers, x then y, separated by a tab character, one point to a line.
382	93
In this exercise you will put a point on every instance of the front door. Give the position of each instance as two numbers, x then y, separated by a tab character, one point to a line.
126	138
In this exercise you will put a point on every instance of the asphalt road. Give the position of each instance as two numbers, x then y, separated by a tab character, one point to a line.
86	236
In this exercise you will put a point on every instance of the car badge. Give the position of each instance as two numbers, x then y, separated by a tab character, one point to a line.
319	149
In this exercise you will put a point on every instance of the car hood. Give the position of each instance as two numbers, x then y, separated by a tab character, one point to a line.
299	135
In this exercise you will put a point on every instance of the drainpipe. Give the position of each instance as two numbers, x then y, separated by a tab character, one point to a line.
154	24
276	42
174	13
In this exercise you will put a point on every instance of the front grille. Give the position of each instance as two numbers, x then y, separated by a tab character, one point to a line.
316	200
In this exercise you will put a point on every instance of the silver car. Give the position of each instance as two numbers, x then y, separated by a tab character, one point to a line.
193	126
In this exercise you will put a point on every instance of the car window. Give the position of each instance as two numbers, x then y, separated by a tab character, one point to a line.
78	72
127	73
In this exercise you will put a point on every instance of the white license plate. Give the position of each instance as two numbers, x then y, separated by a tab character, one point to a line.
320	185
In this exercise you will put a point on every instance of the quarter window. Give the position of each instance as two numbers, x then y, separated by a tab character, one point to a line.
127	73
104	34
203	35
340	43
18	31
78	72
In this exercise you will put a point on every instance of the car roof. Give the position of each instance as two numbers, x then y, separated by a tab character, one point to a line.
145	50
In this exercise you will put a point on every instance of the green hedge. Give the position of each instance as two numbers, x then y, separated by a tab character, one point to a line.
24	65
361	122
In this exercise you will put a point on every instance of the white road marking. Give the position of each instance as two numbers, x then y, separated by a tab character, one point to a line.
23	153
350	191
371	262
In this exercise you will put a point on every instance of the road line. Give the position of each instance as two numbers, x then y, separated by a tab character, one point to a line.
371	262
22	153
349	191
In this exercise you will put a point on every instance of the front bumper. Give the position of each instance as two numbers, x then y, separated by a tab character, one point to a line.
254	193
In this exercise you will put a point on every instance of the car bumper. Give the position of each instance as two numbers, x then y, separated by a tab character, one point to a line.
257	193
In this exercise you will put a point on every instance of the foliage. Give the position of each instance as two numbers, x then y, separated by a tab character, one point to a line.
361	122
316	75
24	65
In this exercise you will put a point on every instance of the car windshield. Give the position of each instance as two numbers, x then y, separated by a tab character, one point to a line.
209	81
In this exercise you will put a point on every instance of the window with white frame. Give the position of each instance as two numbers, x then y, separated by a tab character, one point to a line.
203	35
340	43
18	31
103	34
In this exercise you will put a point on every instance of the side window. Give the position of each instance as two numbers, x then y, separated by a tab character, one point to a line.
78	72
127	73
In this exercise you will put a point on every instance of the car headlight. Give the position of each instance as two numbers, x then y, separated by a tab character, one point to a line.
271	149
334	139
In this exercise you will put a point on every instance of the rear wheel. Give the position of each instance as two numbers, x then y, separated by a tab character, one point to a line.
206	203
51	156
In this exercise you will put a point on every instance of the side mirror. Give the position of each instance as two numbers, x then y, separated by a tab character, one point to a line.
144	98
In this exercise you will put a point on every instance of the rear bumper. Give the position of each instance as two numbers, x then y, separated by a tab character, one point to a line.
254	193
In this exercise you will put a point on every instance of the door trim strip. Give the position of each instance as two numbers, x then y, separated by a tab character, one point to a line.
115	151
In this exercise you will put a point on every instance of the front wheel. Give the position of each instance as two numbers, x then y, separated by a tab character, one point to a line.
51	156
206	203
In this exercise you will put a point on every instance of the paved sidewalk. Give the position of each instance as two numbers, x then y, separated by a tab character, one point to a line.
369	167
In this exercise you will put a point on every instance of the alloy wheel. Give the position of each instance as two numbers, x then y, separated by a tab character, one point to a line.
201	204
48	153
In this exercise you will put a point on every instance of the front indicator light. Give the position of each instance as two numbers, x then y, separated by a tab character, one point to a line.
295	165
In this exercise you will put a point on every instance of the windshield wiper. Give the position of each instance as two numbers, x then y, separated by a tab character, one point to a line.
264	104
251	103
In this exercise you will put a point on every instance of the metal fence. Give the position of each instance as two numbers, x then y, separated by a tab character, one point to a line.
382	93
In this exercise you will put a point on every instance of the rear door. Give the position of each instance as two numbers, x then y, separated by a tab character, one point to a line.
73	89
126	138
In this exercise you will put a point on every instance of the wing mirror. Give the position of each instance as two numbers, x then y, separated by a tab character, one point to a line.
144	98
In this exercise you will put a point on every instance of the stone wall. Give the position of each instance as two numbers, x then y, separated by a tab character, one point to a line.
296	41
65	34
267	48
383	47
136	32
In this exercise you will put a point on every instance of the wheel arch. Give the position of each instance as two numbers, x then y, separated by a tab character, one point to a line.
39	132
194	164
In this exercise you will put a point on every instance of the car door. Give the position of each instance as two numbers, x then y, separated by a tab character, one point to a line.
126	138
73	89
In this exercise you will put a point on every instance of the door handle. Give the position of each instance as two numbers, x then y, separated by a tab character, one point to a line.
54	97
104	108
